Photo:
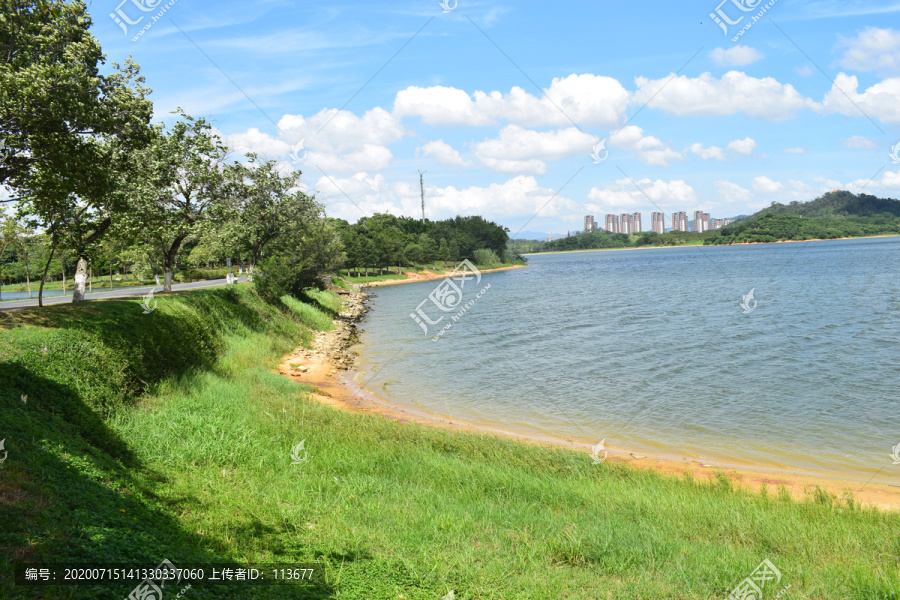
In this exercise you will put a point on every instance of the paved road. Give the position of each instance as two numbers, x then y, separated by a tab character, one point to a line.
119	293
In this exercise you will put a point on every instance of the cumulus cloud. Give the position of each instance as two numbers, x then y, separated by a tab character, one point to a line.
524	150
736	92
765	185
443	152
874	49
263	144
877	102
623	196
648	149
744	146
732	192
859	142
736	56
340	141
517	197
583	99
711	153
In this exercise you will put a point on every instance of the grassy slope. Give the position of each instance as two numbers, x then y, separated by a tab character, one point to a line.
199	469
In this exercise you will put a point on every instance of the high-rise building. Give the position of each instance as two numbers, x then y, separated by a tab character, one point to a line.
636	223
716	224
626	225
612	223
726	222
679	221
701	221
657	222
589	223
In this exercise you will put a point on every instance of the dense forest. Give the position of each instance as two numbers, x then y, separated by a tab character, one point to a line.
383	240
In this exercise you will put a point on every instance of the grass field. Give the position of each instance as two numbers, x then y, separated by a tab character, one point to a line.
169	436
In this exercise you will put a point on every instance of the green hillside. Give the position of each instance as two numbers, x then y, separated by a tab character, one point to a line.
838	214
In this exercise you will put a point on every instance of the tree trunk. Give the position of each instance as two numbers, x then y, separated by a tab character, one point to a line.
27	276
91	280
80	280
44	276
167	273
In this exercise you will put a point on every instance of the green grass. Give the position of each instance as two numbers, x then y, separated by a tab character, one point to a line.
168	435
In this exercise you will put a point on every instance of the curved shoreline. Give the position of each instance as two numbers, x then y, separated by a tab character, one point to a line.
412	277
328	368
864	237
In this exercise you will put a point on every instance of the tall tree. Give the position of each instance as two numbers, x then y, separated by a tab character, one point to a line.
181	185
62	120
263	205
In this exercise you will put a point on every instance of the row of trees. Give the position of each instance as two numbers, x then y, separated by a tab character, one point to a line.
89	172
383	240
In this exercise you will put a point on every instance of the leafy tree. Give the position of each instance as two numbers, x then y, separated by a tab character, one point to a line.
62	121
264	205
181	185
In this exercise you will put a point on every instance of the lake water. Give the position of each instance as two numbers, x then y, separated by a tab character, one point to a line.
652	351
34	294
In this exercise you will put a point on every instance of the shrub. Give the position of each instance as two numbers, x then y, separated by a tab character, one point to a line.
486	258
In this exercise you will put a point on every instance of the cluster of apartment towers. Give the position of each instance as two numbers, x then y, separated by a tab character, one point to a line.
631	222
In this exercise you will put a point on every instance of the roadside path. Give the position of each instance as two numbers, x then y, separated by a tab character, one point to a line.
118	293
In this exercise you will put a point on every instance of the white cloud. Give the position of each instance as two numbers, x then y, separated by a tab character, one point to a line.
873	49
263	144
732	192
877	102
859	142
524	150
888	185
444	153
735	92
649	149
737	56
797	150
711	153
804	70
744	146
517	197
765	185
583	99
339	141
622	195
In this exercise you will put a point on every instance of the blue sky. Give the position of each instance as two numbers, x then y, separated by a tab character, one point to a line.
503	103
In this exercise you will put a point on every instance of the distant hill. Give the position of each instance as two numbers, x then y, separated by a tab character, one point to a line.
839	204
836	214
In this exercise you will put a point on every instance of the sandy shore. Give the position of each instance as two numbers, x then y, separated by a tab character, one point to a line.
328	367
425	275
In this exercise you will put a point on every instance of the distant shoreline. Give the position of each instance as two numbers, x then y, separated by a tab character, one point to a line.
862	237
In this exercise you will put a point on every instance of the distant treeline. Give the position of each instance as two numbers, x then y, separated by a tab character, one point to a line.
602	239
837	214
383	241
